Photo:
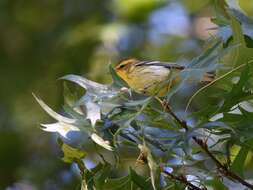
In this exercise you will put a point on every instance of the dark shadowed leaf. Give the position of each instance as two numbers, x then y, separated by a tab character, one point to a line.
139	180
216	183
123	183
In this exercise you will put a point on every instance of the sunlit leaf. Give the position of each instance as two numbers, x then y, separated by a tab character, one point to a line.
93	112
71	154
238	163
94	90
101	142
84	185
53	114
91	86
62	128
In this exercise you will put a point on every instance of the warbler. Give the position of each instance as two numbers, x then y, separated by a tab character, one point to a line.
152	77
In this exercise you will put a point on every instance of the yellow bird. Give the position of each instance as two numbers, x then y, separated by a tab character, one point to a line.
151	77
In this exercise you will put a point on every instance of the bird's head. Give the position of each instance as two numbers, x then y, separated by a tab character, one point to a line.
125	66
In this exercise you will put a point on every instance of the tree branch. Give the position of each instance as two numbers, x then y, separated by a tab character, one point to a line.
224	170
221	167
183	180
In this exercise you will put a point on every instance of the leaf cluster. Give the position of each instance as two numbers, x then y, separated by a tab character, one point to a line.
115	120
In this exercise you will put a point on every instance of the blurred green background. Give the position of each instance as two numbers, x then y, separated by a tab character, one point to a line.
41	41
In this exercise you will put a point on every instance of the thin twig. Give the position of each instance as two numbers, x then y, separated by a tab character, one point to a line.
80	166
211	83
183	180
223	169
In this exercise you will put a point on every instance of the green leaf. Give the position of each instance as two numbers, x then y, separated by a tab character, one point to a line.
96	95
174	185
221	11
92	87
117	81
84	185
98	178
92	110
101	177
78	114
238	37
71	154
139	180
64	124
196	69
203	59
71	96
141	102
62	128
216	183
238	163
52	113
101	142
224	11
123	183
89	176
239	91
246	22
153	166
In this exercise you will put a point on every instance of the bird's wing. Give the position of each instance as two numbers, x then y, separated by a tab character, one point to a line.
168	65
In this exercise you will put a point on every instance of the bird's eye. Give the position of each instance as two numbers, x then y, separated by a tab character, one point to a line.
122	66
125	63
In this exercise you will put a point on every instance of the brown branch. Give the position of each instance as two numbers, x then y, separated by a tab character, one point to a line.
80	166
168	109
183	180
223	169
